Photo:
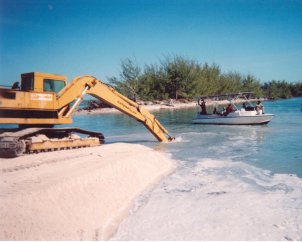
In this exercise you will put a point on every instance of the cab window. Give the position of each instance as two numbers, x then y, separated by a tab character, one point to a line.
27	84
50	85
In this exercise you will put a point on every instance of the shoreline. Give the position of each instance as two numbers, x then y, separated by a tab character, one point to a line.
80	194
165	106
153	107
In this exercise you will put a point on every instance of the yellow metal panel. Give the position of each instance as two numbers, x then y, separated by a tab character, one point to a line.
35	121
27	100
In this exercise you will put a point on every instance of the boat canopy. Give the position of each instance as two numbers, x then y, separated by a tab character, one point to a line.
230	96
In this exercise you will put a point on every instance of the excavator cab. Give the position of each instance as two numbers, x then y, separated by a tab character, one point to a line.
34	103
42	82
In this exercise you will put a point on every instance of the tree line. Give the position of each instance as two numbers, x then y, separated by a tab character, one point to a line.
177	77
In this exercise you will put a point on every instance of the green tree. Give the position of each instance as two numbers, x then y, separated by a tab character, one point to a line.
128	84
296	89
209	79
230	83
277	89
152	84
178	77
251	84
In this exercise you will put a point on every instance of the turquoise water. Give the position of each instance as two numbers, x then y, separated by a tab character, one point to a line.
276	147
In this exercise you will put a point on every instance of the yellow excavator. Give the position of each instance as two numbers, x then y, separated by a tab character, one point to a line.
44	100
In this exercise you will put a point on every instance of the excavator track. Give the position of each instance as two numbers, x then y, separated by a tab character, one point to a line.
16	142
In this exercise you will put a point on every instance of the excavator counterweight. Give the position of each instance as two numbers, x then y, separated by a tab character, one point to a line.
45	100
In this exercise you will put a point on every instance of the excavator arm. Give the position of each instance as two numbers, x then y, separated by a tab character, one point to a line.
80	86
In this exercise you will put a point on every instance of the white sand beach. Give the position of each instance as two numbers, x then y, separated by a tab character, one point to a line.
80	194
149	107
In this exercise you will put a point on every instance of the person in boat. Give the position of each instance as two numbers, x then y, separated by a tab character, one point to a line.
202	105
223	112
259	108
229	109
215	111
247	107
244	106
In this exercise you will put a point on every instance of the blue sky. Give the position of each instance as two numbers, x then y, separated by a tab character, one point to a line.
80	37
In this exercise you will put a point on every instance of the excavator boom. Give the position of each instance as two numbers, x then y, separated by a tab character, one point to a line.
45	100
105	93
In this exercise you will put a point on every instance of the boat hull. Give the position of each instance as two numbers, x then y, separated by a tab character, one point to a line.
233	120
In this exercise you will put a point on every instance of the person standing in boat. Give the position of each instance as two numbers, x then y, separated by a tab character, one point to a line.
202	105
229	109
259	108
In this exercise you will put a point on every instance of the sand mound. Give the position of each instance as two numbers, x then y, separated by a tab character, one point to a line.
74	195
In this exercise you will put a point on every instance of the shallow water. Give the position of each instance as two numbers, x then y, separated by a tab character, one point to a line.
218	200
276	146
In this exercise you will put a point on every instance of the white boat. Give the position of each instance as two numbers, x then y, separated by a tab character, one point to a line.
239	116
235	118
